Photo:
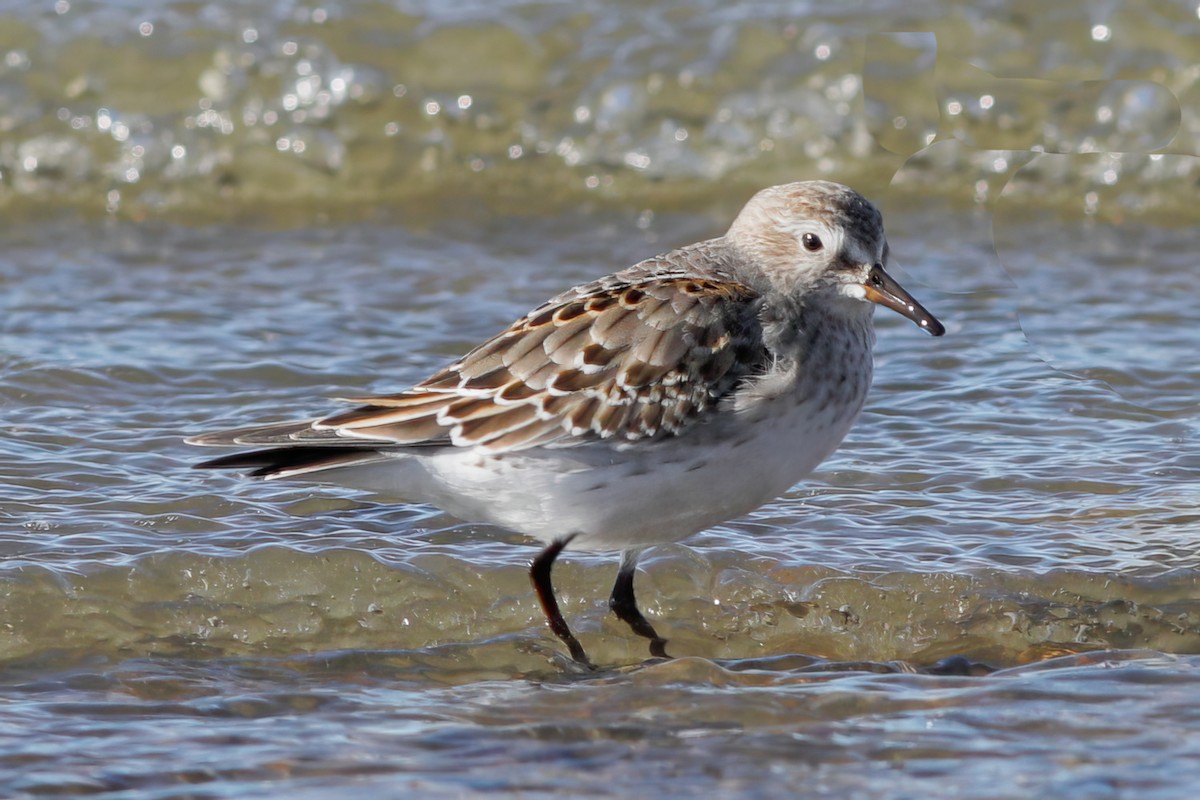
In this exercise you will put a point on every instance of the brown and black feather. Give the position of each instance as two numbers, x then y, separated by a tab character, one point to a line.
641	354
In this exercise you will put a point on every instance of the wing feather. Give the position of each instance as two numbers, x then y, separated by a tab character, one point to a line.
638	355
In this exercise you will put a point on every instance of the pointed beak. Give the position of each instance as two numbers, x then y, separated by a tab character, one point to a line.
882	288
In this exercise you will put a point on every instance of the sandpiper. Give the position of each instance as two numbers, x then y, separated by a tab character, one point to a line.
636	409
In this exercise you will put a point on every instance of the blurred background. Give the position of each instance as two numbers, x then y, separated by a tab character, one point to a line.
287	112
217	214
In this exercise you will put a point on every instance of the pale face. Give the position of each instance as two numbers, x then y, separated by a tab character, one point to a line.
818	236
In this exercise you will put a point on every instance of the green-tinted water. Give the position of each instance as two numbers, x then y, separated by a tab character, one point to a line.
231	214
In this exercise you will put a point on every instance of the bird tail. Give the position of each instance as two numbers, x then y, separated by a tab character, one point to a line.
288	462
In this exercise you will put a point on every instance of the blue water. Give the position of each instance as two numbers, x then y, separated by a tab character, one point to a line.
1019	493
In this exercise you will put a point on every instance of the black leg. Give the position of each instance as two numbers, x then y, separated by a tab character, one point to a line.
624	605
539	573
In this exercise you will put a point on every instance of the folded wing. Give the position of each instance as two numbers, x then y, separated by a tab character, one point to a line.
622	359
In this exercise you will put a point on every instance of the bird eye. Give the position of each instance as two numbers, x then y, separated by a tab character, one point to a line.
811	242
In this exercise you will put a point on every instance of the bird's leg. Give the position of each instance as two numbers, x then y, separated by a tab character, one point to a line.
624	605
539	574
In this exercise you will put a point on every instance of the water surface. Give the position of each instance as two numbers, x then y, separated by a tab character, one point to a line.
1020	493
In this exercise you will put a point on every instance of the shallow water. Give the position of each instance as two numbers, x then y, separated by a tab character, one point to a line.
1020	493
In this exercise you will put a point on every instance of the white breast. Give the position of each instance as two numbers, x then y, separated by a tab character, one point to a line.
646	492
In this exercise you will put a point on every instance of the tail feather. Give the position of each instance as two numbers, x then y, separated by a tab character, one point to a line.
284	462
281	433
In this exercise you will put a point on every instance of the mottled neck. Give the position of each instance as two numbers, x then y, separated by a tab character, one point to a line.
795	328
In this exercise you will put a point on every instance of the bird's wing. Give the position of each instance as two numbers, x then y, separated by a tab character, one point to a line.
629	357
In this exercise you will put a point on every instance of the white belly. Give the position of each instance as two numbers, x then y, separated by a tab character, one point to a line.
644	494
